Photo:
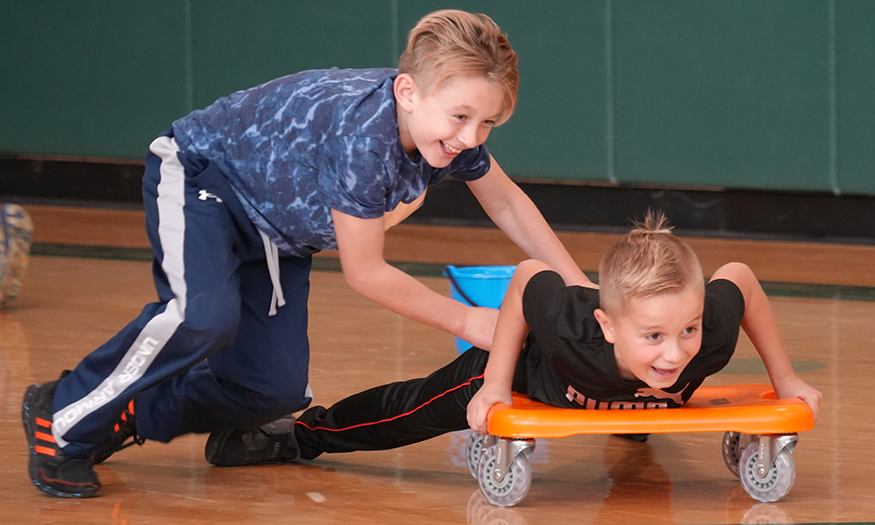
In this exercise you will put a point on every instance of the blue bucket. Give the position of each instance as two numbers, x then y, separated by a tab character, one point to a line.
478	286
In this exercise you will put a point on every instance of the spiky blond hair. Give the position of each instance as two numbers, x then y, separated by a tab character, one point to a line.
647	261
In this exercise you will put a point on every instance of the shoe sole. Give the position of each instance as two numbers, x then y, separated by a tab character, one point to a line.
37	476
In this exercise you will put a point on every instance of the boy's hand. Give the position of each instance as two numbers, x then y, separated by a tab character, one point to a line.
490	393
480	327
793	386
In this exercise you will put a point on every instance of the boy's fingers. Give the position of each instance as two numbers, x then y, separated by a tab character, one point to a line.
813	404
475	420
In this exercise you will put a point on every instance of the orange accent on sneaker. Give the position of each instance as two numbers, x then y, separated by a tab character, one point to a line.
44	437
48	451
43	422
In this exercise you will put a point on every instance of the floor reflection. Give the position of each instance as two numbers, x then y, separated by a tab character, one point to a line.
741	508
481	512
638	484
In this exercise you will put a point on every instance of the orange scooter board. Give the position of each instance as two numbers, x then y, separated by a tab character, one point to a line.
747	409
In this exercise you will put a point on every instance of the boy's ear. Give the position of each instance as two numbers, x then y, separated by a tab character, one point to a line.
605	323
404	88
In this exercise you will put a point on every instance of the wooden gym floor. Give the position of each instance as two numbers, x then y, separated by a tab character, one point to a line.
90	275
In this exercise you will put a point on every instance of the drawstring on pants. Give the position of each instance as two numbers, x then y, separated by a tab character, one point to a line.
271	253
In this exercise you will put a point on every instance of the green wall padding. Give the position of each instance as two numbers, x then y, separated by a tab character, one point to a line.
750	94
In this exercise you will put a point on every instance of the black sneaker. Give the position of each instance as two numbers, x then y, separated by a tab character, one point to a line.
50	468
270	444
125	428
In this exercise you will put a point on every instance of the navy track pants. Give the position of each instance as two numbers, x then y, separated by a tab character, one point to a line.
206	356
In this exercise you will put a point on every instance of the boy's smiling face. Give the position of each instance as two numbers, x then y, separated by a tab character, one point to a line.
656	337
443	122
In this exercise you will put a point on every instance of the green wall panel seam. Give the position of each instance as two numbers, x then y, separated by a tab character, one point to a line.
396	32
189	58
833	101
609	91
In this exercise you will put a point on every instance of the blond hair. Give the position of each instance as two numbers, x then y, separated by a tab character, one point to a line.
647	261
447	44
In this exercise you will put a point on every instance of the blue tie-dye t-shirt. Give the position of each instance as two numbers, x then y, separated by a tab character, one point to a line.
301	145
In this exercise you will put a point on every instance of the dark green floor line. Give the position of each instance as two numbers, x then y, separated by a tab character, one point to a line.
91	252
772	288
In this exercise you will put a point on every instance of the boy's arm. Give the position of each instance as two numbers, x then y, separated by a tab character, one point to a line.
510	333
518	217
360	246
761	327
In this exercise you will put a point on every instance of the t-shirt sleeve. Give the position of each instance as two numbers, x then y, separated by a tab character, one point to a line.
721	323
353	176
542	305
724	302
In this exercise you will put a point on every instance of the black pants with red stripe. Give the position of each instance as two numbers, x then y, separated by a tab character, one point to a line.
396	414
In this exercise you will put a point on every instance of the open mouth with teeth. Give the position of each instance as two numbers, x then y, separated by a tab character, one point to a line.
449	149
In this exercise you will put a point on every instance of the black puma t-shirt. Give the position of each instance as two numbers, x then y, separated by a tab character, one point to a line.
568	363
